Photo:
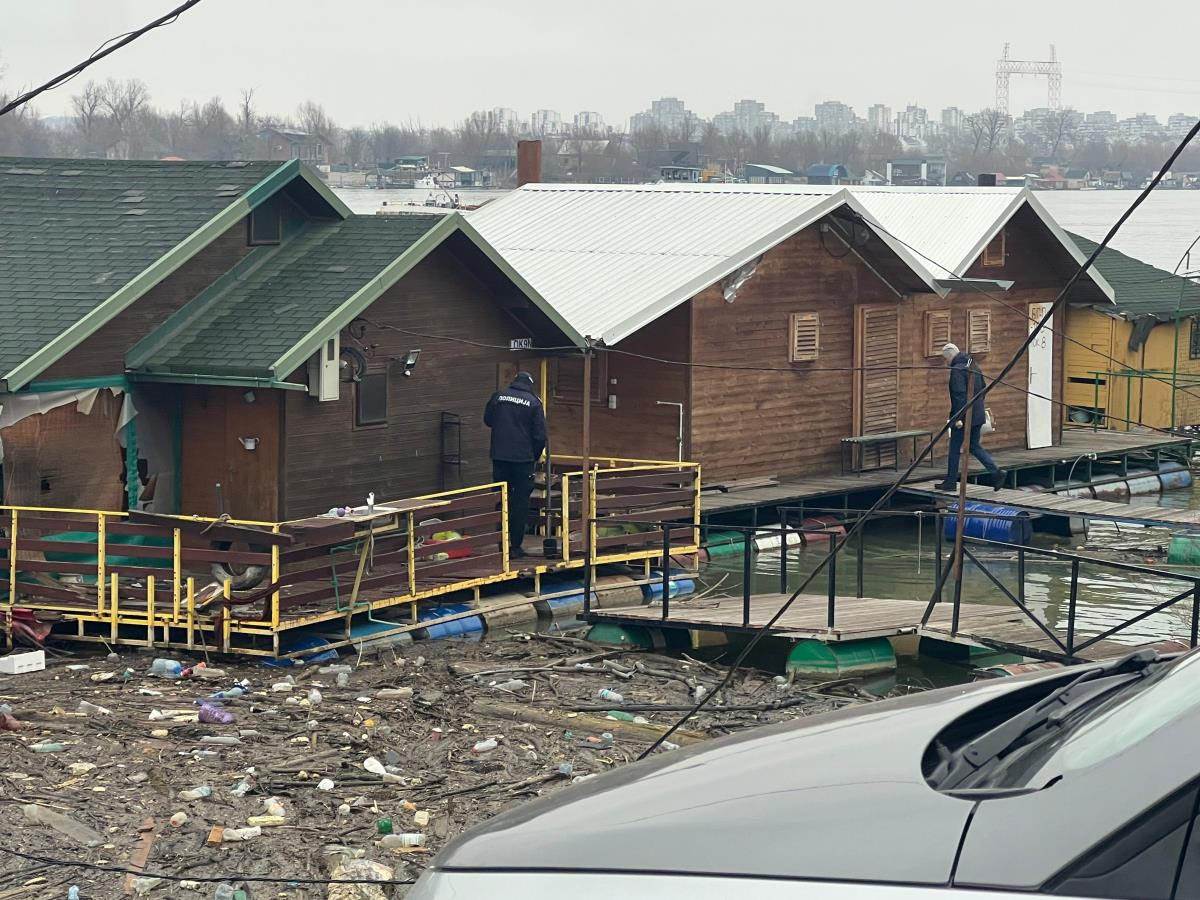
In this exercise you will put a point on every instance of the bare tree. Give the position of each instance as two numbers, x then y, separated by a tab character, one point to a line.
246	117
1058	129
124	101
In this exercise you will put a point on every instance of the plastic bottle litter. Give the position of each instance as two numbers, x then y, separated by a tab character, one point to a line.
513	684
668	745
156	715
213	715
224	740
229	892
91	709
64	825
241	789
619	715
274	807
325	784
566	770
159	733
234	835
196	793
48	747
314	697
344	810
700	692
335	670
400	693
486	746
610	696
343	679
166	668
266	821
5	709
80	768
179	820
143	885
384	826
409	839
282	687
147	692
236	691
73	892
207	673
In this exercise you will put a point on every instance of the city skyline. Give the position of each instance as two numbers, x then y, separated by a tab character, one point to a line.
606	64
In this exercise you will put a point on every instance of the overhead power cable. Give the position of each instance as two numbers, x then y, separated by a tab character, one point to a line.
853	531
107	48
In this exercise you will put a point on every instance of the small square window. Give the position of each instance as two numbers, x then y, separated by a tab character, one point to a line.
371	399
805	333
1194	340
265	224
979	331
937	331
993	253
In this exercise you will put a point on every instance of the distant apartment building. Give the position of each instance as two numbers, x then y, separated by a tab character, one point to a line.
1137	127
545	121
506	118
746	117
804	125
589	121
1179	124
879	118
669	114
913	122
953	118
834	117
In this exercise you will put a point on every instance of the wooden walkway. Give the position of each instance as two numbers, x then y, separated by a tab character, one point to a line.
1076	442
1002	627
1056	504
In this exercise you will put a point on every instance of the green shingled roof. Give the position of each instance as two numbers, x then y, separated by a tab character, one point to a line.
1143	289
277	298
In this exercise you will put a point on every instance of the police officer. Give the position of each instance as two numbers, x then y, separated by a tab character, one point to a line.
518	425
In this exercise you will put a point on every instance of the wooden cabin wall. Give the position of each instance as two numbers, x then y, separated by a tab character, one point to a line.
778	423
638	428
1153	396
328	460
104	352
1095	333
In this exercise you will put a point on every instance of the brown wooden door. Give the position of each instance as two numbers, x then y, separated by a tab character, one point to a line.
877	379
215	421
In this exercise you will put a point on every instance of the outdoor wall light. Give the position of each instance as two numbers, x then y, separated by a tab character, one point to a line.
410	362
250	443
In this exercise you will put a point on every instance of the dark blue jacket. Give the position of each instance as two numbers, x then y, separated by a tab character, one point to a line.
518	423
959	372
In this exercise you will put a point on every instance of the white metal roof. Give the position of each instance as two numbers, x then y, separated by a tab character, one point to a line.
612	258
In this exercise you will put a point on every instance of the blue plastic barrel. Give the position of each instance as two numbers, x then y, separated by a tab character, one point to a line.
469	625
1174	476
1015	530
679	587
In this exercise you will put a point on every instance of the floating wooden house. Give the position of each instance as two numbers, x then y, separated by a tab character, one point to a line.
753	328
1136	361
228	337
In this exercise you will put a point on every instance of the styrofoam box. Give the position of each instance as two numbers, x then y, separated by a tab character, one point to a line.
16	663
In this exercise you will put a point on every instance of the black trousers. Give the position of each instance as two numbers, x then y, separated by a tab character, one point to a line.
519	477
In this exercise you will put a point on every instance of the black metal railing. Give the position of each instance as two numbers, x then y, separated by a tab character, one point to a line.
788	529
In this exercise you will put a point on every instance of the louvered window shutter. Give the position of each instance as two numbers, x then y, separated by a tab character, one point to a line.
805	330
937	331
979	331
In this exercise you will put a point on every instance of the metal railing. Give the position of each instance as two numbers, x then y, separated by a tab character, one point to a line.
1067	646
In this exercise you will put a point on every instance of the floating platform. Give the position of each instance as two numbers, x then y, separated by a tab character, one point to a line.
996	626
1111	448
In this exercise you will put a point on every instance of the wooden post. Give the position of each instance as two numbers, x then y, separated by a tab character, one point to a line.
587	435
101	558
150	610
549	539
960	520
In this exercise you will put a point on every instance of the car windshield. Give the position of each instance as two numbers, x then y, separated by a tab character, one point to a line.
1111	726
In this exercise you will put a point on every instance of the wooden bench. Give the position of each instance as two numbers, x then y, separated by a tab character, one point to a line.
860	442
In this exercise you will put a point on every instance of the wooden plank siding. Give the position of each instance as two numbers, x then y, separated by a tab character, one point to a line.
778	422
638	428
104	352
328	460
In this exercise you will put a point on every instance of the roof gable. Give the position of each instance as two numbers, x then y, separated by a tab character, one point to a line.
1142	289
80	240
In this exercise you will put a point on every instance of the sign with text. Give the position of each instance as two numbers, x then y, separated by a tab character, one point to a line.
520	344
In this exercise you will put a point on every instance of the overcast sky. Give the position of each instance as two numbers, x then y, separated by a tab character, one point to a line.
375	60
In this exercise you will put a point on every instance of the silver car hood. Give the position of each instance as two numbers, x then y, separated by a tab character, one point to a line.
837	796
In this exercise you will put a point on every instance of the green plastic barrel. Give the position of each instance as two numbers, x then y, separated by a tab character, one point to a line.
841	658
725	543
1184	550
620	635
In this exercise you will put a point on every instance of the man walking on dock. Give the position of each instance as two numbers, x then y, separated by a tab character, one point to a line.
962	368
518	425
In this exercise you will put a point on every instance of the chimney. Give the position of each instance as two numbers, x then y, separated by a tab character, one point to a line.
529	162
986	179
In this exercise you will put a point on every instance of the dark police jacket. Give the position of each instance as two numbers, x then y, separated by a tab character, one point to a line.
959	372
518	424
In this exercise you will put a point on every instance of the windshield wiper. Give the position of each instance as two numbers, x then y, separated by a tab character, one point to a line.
959	765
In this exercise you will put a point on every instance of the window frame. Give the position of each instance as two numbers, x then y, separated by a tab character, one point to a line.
359	421
933	346
795	321
987	319
1194	339
270	207
599	376
988	258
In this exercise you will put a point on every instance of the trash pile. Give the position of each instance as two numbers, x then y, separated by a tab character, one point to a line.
361	768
